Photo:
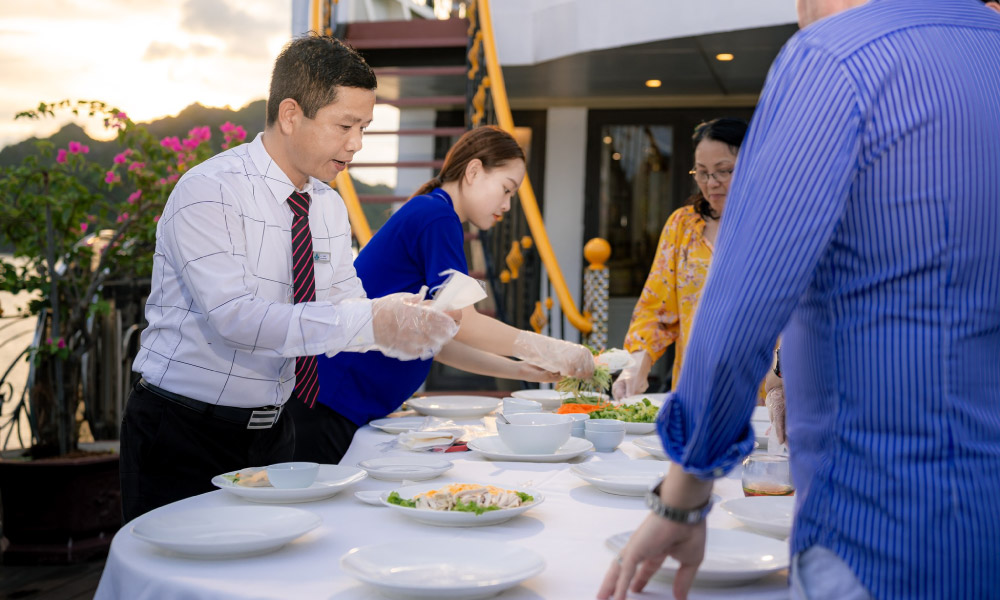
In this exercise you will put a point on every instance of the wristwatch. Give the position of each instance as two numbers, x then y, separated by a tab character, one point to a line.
691	516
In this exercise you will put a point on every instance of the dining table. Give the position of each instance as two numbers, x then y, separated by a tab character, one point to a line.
569	529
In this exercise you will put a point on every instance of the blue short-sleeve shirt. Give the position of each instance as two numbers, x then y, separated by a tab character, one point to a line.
420	241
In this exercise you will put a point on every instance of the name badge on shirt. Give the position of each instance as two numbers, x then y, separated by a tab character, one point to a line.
322	257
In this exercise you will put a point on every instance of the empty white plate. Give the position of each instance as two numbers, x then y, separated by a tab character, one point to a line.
330	480
492	447
398	424
621	477
454	518
731	557
398	468
454	406
771	515
225	531
651	444
425	569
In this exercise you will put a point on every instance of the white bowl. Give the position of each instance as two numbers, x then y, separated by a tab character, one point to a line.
292	475
549	399
604	425
513	406
579	420
604	441
535	433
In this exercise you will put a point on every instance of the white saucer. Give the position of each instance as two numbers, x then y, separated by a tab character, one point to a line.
621	477
493	448
330	480
398	424
398	468
651	444
454	406
425	569
770	515
224	531
731	557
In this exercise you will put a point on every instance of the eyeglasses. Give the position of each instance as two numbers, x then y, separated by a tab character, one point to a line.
719	176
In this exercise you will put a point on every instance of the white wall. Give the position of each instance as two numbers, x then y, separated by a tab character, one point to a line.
565	161
533	31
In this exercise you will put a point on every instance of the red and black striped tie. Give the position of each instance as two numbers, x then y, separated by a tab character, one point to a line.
304	290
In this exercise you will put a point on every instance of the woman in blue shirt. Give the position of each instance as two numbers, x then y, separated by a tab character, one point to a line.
419	243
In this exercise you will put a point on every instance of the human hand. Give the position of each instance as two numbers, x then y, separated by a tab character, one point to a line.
529	372
634	379
406	328
655	540
558	356
775	403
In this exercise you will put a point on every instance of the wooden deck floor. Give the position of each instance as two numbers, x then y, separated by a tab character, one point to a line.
70	582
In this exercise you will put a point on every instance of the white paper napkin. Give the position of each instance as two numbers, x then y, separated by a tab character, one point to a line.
457	292
422	440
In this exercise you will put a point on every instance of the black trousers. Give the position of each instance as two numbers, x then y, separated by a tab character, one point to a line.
170	452
322	434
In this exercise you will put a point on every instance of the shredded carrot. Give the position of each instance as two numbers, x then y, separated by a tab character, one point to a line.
573	407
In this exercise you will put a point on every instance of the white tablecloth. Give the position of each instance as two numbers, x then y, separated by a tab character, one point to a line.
569	529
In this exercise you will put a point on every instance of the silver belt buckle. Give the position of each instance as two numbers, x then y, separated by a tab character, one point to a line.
263	419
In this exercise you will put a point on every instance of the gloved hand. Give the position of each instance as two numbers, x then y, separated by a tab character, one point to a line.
775	403
558	356
406	328
634	378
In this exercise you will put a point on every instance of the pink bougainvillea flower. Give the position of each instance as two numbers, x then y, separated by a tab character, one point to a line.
134	196
226	127
119	159
74	147
110	177
122	116
241	134
136	166
83	227
156	219
61	344
61	155
173	178
123	217
48	341
191	143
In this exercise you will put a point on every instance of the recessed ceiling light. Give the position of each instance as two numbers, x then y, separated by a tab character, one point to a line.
607	139
653	83
616	156
724	57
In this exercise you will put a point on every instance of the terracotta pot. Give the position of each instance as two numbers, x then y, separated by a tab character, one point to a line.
59	510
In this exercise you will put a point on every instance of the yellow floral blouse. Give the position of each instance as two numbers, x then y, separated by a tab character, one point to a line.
666	307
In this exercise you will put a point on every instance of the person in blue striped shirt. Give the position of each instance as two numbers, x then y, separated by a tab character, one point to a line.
877	137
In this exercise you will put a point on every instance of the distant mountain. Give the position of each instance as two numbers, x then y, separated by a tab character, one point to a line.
250	117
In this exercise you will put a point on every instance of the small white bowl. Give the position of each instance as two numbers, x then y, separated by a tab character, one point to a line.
549	399
605	425
513	406
291	475
579	420
604	441
535	433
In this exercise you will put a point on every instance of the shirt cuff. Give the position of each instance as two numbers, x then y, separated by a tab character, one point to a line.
697	456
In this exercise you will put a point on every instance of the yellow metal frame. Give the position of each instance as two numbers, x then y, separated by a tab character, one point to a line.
529	202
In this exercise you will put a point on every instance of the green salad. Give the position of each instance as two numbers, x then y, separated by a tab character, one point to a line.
639	412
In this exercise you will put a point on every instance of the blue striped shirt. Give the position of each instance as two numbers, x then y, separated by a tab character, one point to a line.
863	224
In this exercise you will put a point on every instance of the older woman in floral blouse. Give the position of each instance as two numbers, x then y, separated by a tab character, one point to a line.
667	305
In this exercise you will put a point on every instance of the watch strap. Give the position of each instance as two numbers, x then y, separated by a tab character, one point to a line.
687	516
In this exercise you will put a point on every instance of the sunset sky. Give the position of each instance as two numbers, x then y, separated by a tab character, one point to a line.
151	58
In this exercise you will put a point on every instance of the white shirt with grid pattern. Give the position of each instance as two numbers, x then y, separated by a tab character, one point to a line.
222	325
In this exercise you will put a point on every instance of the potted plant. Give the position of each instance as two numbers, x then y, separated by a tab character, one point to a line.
75	224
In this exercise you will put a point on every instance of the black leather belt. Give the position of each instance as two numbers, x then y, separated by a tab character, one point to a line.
262	417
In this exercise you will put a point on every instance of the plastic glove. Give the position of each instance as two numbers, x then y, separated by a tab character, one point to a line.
775	403
407	329
559	356
634	378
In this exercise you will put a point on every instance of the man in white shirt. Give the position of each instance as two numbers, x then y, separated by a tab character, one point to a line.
253	277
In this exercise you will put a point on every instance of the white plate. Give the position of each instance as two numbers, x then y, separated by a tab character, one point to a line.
492	447
549	399
651	444
771	515
454	406
398	468
449	518
639	428
760	414
398	424
423	569
225	531
621	477
731	557
330	480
